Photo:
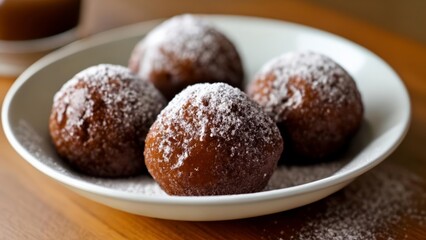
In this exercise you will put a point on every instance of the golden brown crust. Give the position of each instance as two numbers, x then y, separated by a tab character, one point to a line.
212	140
314	101
100	118
183	51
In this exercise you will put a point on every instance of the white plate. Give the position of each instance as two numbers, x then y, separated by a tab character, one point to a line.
16	56
387	112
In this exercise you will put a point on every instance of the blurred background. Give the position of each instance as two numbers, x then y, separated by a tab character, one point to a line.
61	22
404	17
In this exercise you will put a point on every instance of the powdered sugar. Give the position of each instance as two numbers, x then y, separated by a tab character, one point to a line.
218	129
218	110
124	97
187	39
281	83
289	176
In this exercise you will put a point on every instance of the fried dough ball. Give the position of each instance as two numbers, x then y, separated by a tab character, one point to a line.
313	100
212	140
100	119
186	50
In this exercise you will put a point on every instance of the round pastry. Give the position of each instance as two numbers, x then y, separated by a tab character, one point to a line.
185	50
313	100
100	119
212	140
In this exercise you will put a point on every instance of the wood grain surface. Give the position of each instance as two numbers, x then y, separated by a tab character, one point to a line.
32	206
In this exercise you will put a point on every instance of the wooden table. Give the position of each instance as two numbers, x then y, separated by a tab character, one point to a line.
32	206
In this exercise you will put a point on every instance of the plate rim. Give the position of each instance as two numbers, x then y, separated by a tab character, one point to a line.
143	28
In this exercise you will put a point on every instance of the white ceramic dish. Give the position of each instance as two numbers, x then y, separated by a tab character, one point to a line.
27	106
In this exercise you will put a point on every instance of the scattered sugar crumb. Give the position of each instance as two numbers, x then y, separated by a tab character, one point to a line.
375	206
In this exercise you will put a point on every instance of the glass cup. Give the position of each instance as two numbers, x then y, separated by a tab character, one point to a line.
31	28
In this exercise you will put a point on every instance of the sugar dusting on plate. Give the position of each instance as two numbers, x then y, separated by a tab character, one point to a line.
144	184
